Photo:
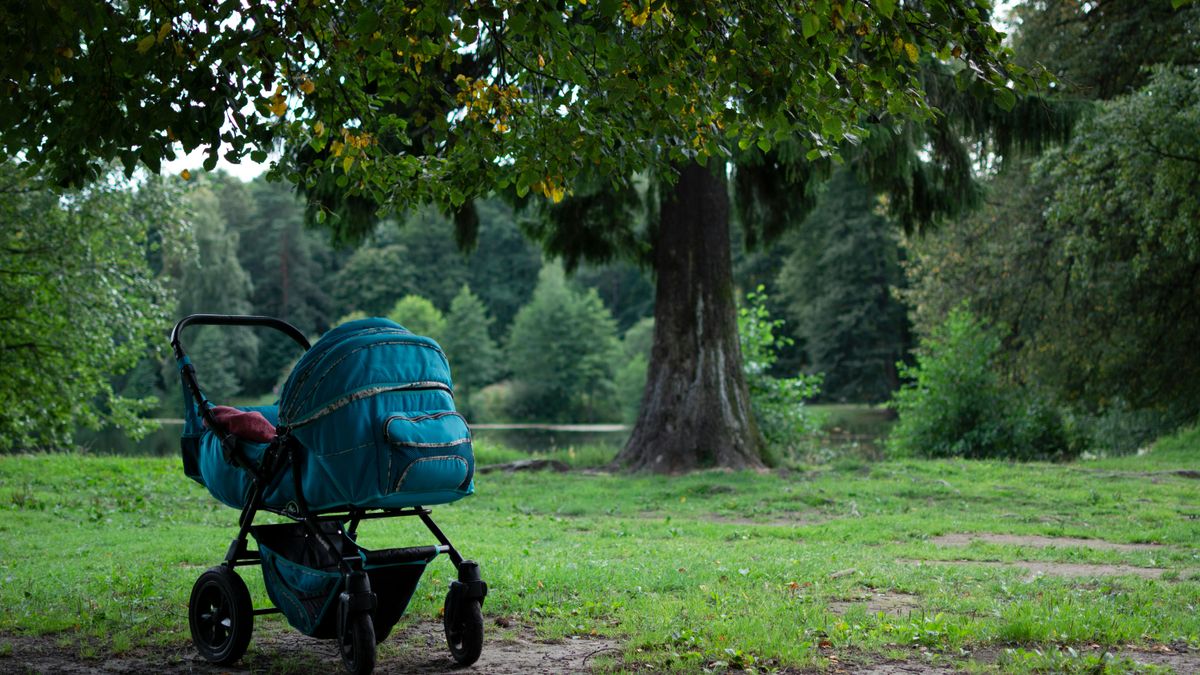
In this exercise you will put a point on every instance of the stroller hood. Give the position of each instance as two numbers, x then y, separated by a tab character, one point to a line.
357	360
372	405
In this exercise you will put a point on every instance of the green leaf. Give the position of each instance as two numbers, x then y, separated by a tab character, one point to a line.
810	25
886	7
763	144
1005	98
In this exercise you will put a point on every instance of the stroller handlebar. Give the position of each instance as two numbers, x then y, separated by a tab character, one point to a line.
235	320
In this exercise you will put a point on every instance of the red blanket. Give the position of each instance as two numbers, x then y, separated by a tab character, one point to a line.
250	426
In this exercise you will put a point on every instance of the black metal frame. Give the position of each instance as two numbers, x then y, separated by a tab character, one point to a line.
286	452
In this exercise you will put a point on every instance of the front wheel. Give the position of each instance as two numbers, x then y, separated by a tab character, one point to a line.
356	642
464	629
220	615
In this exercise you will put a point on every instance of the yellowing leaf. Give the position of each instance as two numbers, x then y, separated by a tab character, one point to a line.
145	44
278	106
912	51
162	31
307	86
336	148
319	128
185	174
556	194
347	163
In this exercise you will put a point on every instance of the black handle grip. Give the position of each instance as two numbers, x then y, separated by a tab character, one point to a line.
235	320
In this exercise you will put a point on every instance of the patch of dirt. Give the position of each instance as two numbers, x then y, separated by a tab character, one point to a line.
800	520
1104	473
896	604
1178	657
418	648
1181	661
1039	541
1037	569
900	668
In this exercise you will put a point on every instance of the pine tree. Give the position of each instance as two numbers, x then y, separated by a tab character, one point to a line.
838	281
214	282
474	356
563	349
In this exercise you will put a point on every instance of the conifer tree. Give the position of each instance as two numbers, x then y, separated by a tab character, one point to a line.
474	357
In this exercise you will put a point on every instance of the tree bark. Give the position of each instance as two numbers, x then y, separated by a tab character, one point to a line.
696	407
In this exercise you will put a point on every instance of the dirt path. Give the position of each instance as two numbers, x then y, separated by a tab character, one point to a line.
1038	541
419	648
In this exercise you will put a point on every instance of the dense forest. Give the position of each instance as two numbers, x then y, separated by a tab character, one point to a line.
1023	276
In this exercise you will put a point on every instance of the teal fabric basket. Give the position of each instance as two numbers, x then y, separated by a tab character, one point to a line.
304	582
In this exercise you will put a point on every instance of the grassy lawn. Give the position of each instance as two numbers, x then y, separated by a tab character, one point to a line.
835	563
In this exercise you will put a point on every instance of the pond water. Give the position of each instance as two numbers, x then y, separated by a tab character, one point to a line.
165	441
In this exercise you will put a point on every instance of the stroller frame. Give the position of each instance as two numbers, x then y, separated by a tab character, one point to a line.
220	612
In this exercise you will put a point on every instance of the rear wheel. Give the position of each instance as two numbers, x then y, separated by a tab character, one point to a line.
220	615
356	642
464	629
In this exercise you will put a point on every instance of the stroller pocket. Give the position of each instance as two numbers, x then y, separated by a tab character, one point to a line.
430	452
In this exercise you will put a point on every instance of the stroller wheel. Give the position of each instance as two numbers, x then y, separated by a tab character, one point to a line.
464	629
356	642
220	615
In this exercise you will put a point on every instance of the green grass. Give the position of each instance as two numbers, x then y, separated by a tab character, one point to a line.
742	569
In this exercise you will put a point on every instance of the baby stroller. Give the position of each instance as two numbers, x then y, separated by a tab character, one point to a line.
365	428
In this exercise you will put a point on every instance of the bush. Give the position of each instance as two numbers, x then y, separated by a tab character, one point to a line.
778	403
956	405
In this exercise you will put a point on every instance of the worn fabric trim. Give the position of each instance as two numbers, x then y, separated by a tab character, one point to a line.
367	393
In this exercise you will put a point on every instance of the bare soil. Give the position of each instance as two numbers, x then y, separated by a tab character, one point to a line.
1038	541
896	604
418	648
1054	569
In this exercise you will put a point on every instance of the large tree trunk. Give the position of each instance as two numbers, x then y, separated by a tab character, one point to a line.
696	407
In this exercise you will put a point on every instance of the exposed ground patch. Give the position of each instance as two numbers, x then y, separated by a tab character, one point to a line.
896	604
419	648
1036	569
1038	541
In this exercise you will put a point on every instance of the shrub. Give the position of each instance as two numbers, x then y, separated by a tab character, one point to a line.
955	403
778	403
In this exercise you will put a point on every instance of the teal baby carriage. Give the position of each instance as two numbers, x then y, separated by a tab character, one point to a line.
365	428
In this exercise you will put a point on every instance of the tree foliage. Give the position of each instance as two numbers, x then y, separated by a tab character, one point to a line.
474	357
410	103
955	403
837	280
1090	258
419	316
1100	50
778	401
563	350
211	280
79	302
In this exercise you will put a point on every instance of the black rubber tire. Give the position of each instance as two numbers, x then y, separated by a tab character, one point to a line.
220	615
465	637
356	644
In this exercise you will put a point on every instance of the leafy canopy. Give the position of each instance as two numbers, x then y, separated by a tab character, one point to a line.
79	302
410	102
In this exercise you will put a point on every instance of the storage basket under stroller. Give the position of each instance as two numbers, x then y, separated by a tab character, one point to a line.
365	428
